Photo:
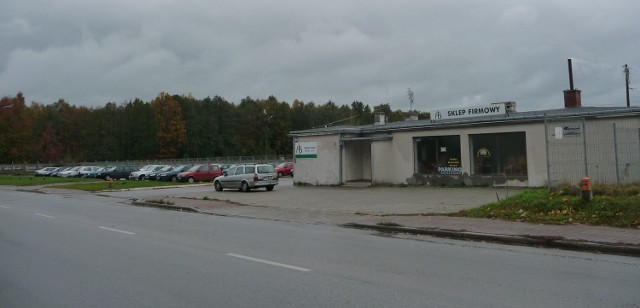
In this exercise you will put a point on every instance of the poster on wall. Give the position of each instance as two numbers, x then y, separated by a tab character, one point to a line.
306	149
451	168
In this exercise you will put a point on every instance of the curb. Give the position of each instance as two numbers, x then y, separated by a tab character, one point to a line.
558	242
166	206
524	240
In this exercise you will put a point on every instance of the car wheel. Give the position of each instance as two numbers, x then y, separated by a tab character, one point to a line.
108	177
141	177
280	174
217	186
245	187
174	178
269	188
191	180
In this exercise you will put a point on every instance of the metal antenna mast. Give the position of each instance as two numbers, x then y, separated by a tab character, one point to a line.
410	93
626	77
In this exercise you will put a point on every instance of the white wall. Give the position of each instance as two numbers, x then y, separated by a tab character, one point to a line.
322	170
393	161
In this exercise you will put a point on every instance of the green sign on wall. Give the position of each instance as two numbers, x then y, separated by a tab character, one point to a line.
306	149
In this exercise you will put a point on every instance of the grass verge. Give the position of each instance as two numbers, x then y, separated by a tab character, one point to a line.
116	185
612	205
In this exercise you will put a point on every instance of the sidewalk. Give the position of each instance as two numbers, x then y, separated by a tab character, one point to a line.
398	219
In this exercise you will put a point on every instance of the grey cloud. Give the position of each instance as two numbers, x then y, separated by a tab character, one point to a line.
90	53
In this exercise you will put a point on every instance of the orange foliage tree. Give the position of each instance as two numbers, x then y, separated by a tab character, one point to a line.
171	131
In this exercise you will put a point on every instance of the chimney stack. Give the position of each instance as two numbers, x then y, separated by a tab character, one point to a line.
571	96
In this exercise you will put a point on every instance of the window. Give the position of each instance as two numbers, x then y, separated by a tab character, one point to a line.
438	155
239	170
498	154
249	169
266	169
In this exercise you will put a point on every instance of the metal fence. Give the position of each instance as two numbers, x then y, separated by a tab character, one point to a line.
605	150
25	168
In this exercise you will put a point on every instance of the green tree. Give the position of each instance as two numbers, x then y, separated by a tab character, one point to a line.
139	137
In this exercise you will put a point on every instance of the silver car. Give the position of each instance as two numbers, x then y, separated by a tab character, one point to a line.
246	177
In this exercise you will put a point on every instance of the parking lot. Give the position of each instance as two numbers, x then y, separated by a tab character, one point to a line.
370	200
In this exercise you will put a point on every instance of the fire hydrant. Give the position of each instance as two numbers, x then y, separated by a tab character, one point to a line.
585	187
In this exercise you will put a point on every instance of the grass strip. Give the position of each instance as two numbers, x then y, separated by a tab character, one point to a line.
612	205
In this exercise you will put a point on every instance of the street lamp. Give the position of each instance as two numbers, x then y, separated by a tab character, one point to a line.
266	136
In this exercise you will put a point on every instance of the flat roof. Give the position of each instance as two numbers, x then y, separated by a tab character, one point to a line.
507	118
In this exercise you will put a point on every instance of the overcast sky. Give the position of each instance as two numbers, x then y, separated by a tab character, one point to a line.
450	53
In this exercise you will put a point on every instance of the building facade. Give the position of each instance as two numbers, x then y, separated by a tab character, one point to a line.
477	147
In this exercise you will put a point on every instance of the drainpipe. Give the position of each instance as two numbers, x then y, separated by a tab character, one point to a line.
341	148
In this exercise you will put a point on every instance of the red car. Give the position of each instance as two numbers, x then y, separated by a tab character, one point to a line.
285	169
200	173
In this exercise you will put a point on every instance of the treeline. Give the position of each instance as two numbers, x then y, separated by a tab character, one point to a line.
170	126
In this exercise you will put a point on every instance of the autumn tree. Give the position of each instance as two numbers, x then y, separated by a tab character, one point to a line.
171	131
15	128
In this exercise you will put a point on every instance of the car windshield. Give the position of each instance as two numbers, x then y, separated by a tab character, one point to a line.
166	168
194	168
282	165
181	168
109	168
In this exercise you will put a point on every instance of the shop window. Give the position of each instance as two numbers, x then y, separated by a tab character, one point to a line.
499	154
438	155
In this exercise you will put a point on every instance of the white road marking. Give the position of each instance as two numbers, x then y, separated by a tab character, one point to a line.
43	215
302	269
4	207
116	230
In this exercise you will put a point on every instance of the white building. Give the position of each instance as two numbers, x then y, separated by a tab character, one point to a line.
490	145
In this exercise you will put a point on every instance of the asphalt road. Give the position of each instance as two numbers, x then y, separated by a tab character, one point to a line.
81	250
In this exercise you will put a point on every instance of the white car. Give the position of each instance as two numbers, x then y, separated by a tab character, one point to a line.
140	174
70	173
88	171
247	177
45	171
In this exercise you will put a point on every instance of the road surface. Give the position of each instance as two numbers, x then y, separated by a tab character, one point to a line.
82	250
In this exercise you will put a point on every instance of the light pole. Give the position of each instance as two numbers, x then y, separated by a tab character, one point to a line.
266	135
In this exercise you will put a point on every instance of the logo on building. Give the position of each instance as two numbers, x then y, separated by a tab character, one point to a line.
468	112
306	150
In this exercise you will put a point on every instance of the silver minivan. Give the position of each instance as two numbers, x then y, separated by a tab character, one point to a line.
246	177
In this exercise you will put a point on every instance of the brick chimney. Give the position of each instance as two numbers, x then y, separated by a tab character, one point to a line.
571	96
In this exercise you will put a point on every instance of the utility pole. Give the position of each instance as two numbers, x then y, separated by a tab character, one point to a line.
626	77
410	93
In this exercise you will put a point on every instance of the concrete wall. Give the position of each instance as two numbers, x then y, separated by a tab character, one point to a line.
323	170
357	161
394	161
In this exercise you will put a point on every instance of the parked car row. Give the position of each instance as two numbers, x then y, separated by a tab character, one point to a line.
65	172
243	176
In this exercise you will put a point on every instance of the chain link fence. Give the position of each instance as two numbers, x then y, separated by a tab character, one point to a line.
25	168
605	150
